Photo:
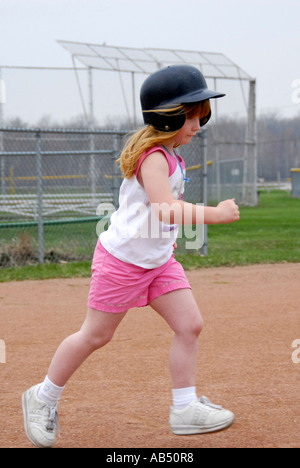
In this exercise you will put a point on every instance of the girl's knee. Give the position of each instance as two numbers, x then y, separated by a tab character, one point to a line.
98	341
98	329
194	327
197	326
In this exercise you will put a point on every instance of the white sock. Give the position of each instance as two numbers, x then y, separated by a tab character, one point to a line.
49	392
183	396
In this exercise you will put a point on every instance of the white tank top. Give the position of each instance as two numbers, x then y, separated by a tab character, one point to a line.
135	234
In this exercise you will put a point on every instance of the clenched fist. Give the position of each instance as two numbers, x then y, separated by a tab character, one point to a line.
228	211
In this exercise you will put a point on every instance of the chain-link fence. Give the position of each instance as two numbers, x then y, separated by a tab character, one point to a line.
52	182
51	185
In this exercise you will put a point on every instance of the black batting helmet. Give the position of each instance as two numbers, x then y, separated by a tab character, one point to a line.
169	88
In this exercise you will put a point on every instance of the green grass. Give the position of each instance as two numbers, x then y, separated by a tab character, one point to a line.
269	233
46	271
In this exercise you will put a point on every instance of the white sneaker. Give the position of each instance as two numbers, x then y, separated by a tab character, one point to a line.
200	416
40	419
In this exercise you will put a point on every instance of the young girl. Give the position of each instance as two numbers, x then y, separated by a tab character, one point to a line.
134	265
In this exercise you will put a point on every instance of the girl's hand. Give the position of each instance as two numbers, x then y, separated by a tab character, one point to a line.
228	211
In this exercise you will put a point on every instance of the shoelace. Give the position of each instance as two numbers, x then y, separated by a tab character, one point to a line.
53	422
206	401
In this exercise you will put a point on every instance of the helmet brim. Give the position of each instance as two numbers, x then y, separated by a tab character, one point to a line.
197	96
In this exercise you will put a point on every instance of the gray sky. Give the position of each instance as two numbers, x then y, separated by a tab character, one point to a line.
261	36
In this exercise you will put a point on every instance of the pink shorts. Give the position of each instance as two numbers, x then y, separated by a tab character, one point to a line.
117	286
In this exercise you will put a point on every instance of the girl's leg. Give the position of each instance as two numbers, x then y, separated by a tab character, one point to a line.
39	403
182	314
188	415
96	331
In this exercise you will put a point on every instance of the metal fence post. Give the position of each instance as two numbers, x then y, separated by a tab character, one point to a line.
2	162
115	156
249	196
39	197
204	249
93	173
2	165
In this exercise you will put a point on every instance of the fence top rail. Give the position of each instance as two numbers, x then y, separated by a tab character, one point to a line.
56	153
81	131
56	196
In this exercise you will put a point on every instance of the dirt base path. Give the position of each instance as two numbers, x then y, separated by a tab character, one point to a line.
120	397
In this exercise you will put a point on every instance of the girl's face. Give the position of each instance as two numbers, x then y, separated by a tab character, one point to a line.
189	129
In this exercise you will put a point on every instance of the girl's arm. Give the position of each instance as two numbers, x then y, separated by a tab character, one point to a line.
154	176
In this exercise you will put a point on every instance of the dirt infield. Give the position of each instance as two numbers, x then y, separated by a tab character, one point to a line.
120	397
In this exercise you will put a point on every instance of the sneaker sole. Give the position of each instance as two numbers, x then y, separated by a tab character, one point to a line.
190	430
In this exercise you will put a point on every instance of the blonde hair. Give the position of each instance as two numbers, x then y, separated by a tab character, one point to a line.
148	137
